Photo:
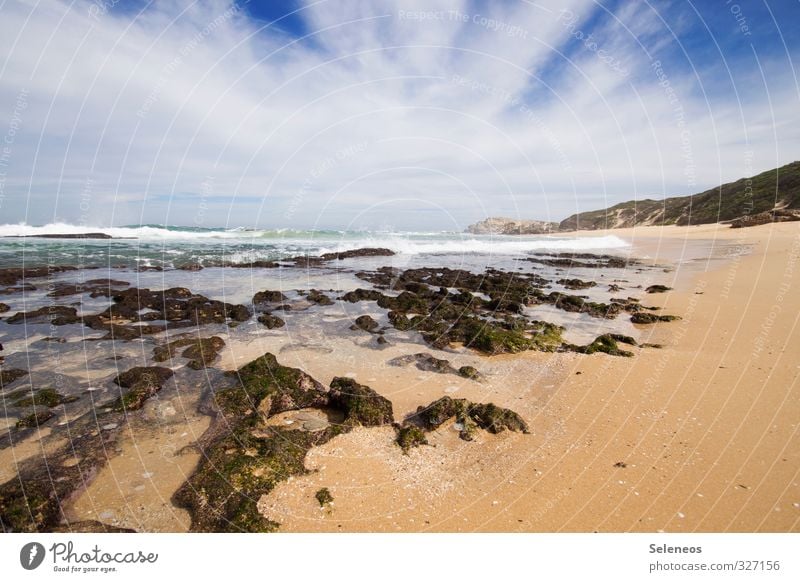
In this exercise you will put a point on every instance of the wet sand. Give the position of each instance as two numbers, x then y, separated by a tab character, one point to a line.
699	436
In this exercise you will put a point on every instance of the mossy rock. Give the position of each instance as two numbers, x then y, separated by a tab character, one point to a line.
270	321
38	417
46	397
362	295
199	351
7	376
470	372
318	297
268	297
410	436
360	404
4	308
266	385
647	318
606	344
365	323
489	417
142	383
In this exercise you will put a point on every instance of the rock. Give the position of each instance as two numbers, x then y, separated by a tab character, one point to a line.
201	352
265	384
36	418
424	362
268	297
45	397
4	308
243	459
13	275
324	497
362	295
576	283
469	372
410	436
361	404
366	323
488	417
254	265
645	318
142	383
657	289
54	314
7	376
501	225
606	343
271	321
382	340
190	267
84	235
316	296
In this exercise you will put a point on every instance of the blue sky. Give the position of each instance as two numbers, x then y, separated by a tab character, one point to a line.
401	114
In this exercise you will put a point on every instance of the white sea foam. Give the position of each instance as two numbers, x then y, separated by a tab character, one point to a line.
285	242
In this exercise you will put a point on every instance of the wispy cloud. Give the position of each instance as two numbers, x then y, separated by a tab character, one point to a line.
371	110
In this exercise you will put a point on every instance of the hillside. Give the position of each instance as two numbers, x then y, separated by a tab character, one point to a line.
778	188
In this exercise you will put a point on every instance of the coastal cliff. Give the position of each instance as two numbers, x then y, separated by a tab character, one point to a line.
502	225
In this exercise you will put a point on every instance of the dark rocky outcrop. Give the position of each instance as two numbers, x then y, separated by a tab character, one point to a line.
657	289
576	283
271	321
142	383
245	458
646	318
607	344
365	323
318	297
13	275
362	295
360	404
9	375
268	297
201	352
48	397
469	415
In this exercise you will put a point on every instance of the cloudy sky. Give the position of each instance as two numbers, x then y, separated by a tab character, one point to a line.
407	114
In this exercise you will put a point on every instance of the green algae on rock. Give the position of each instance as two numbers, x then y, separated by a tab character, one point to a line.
244	458
199	351
646	318
324	497
49	397
142	384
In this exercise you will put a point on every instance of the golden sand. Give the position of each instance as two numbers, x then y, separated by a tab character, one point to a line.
701	435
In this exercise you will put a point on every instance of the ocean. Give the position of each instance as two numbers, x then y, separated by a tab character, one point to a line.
172	246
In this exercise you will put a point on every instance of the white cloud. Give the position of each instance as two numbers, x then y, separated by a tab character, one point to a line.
469	111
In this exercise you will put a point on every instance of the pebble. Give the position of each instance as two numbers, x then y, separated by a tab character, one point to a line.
681	515
110	426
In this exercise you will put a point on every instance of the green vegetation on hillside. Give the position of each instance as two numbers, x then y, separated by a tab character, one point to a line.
774	188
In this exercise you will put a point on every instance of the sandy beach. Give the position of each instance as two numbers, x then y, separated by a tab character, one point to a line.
701	435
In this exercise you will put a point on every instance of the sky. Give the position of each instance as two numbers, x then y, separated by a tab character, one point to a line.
400	115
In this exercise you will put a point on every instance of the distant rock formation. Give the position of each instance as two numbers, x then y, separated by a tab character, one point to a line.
501	225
